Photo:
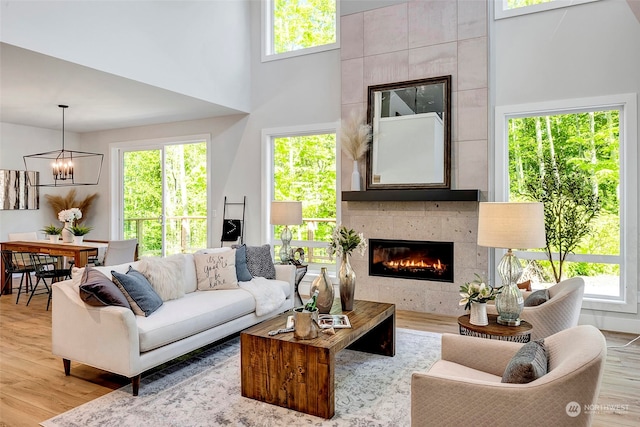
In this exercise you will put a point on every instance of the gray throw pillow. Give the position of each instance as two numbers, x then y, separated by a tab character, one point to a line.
242	271
259	262
536	298
528	364
138	291
97	290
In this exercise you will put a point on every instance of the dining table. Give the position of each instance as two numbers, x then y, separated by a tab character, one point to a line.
79	252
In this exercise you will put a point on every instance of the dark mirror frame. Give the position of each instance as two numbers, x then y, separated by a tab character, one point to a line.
446	182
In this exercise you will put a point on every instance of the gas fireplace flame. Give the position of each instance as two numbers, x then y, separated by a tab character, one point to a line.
416	265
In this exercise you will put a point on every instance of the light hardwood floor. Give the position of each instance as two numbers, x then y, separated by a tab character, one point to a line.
33	387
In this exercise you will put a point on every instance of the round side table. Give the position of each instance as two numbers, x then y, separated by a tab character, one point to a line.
496	331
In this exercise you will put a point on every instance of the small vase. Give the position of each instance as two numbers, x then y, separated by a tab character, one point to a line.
325	291
53	238
355	177
67	236
77	240
478	315
347	278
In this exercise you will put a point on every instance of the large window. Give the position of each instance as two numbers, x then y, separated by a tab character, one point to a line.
301	166
162	198
295	27
577	158
508	8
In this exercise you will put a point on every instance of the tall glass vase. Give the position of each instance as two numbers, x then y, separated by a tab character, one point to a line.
347	278
67	237
325	291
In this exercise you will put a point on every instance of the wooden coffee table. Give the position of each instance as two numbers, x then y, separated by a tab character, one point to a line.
299	374
496	331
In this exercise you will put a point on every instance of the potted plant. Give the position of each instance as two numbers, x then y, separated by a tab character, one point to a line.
53	232
343	242
475	295
79	231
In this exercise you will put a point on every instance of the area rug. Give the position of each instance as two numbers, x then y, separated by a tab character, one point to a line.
371	390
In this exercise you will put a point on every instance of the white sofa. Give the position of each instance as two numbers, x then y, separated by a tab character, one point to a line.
116	340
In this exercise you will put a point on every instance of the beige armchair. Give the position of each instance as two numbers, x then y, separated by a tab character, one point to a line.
560	312
465	388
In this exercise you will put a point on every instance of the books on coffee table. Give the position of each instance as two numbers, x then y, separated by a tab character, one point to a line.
336	321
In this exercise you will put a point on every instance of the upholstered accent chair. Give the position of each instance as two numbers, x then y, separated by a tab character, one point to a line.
465	388
560	312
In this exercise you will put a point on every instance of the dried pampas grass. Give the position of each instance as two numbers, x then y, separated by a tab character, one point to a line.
355	136
59	203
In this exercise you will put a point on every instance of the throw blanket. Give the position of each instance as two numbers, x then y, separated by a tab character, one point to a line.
267	293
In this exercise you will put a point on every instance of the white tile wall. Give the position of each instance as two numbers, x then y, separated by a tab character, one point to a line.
408	41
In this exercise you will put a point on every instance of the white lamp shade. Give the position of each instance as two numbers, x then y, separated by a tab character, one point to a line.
286	213
511	225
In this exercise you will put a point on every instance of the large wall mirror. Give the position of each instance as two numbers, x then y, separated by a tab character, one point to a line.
411	145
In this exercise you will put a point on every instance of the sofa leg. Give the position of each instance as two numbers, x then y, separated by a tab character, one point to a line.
135	384
67	366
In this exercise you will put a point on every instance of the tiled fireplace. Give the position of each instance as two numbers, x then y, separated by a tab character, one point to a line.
408	41
449	223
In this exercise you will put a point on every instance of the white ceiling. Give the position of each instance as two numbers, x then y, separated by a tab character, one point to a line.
32	86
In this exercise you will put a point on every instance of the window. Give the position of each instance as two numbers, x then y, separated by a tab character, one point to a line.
508	8
168	213
301	166
583	146
298	27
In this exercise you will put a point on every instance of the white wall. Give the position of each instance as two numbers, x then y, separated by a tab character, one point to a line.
15	142
289	92
197	48
576	52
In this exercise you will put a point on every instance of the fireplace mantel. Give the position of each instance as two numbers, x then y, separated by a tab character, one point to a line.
441	195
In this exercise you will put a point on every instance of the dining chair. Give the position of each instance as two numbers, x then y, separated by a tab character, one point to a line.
45	270
17	263
120	251
31	235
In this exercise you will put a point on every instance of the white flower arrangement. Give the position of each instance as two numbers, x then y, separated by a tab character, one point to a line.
477	291
344	241
69	215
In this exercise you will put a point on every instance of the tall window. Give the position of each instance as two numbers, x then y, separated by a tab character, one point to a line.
295	27
507	8
163	201
303	168
573	159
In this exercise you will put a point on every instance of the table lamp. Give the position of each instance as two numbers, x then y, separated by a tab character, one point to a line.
286	213
510	226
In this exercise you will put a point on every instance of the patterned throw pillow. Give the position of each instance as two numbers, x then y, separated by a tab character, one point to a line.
216	271
259	262
138	291
528	364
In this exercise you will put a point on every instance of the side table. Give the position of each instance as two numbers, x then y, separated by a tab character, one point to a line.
496	331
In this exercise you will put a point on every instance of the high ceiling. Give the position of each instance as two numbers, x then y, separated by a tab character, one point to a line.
32	86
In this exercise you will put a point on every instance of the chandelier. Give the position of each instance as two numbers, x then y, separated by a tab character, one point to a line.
65	167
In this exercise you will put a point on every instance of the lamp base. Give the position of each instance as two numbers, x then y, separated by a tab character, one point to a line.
508	322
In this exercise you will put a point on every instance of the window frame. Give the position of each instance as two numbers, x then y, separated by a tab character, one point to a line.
268	137
267	53
627	103
500	12
117	149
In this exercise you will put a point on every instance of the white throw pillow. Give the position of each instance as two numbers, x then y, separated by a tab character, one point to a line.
165	275
216	270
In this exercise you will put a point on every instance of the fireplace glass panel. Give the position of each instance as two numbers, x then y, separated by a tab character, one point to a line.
421	260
